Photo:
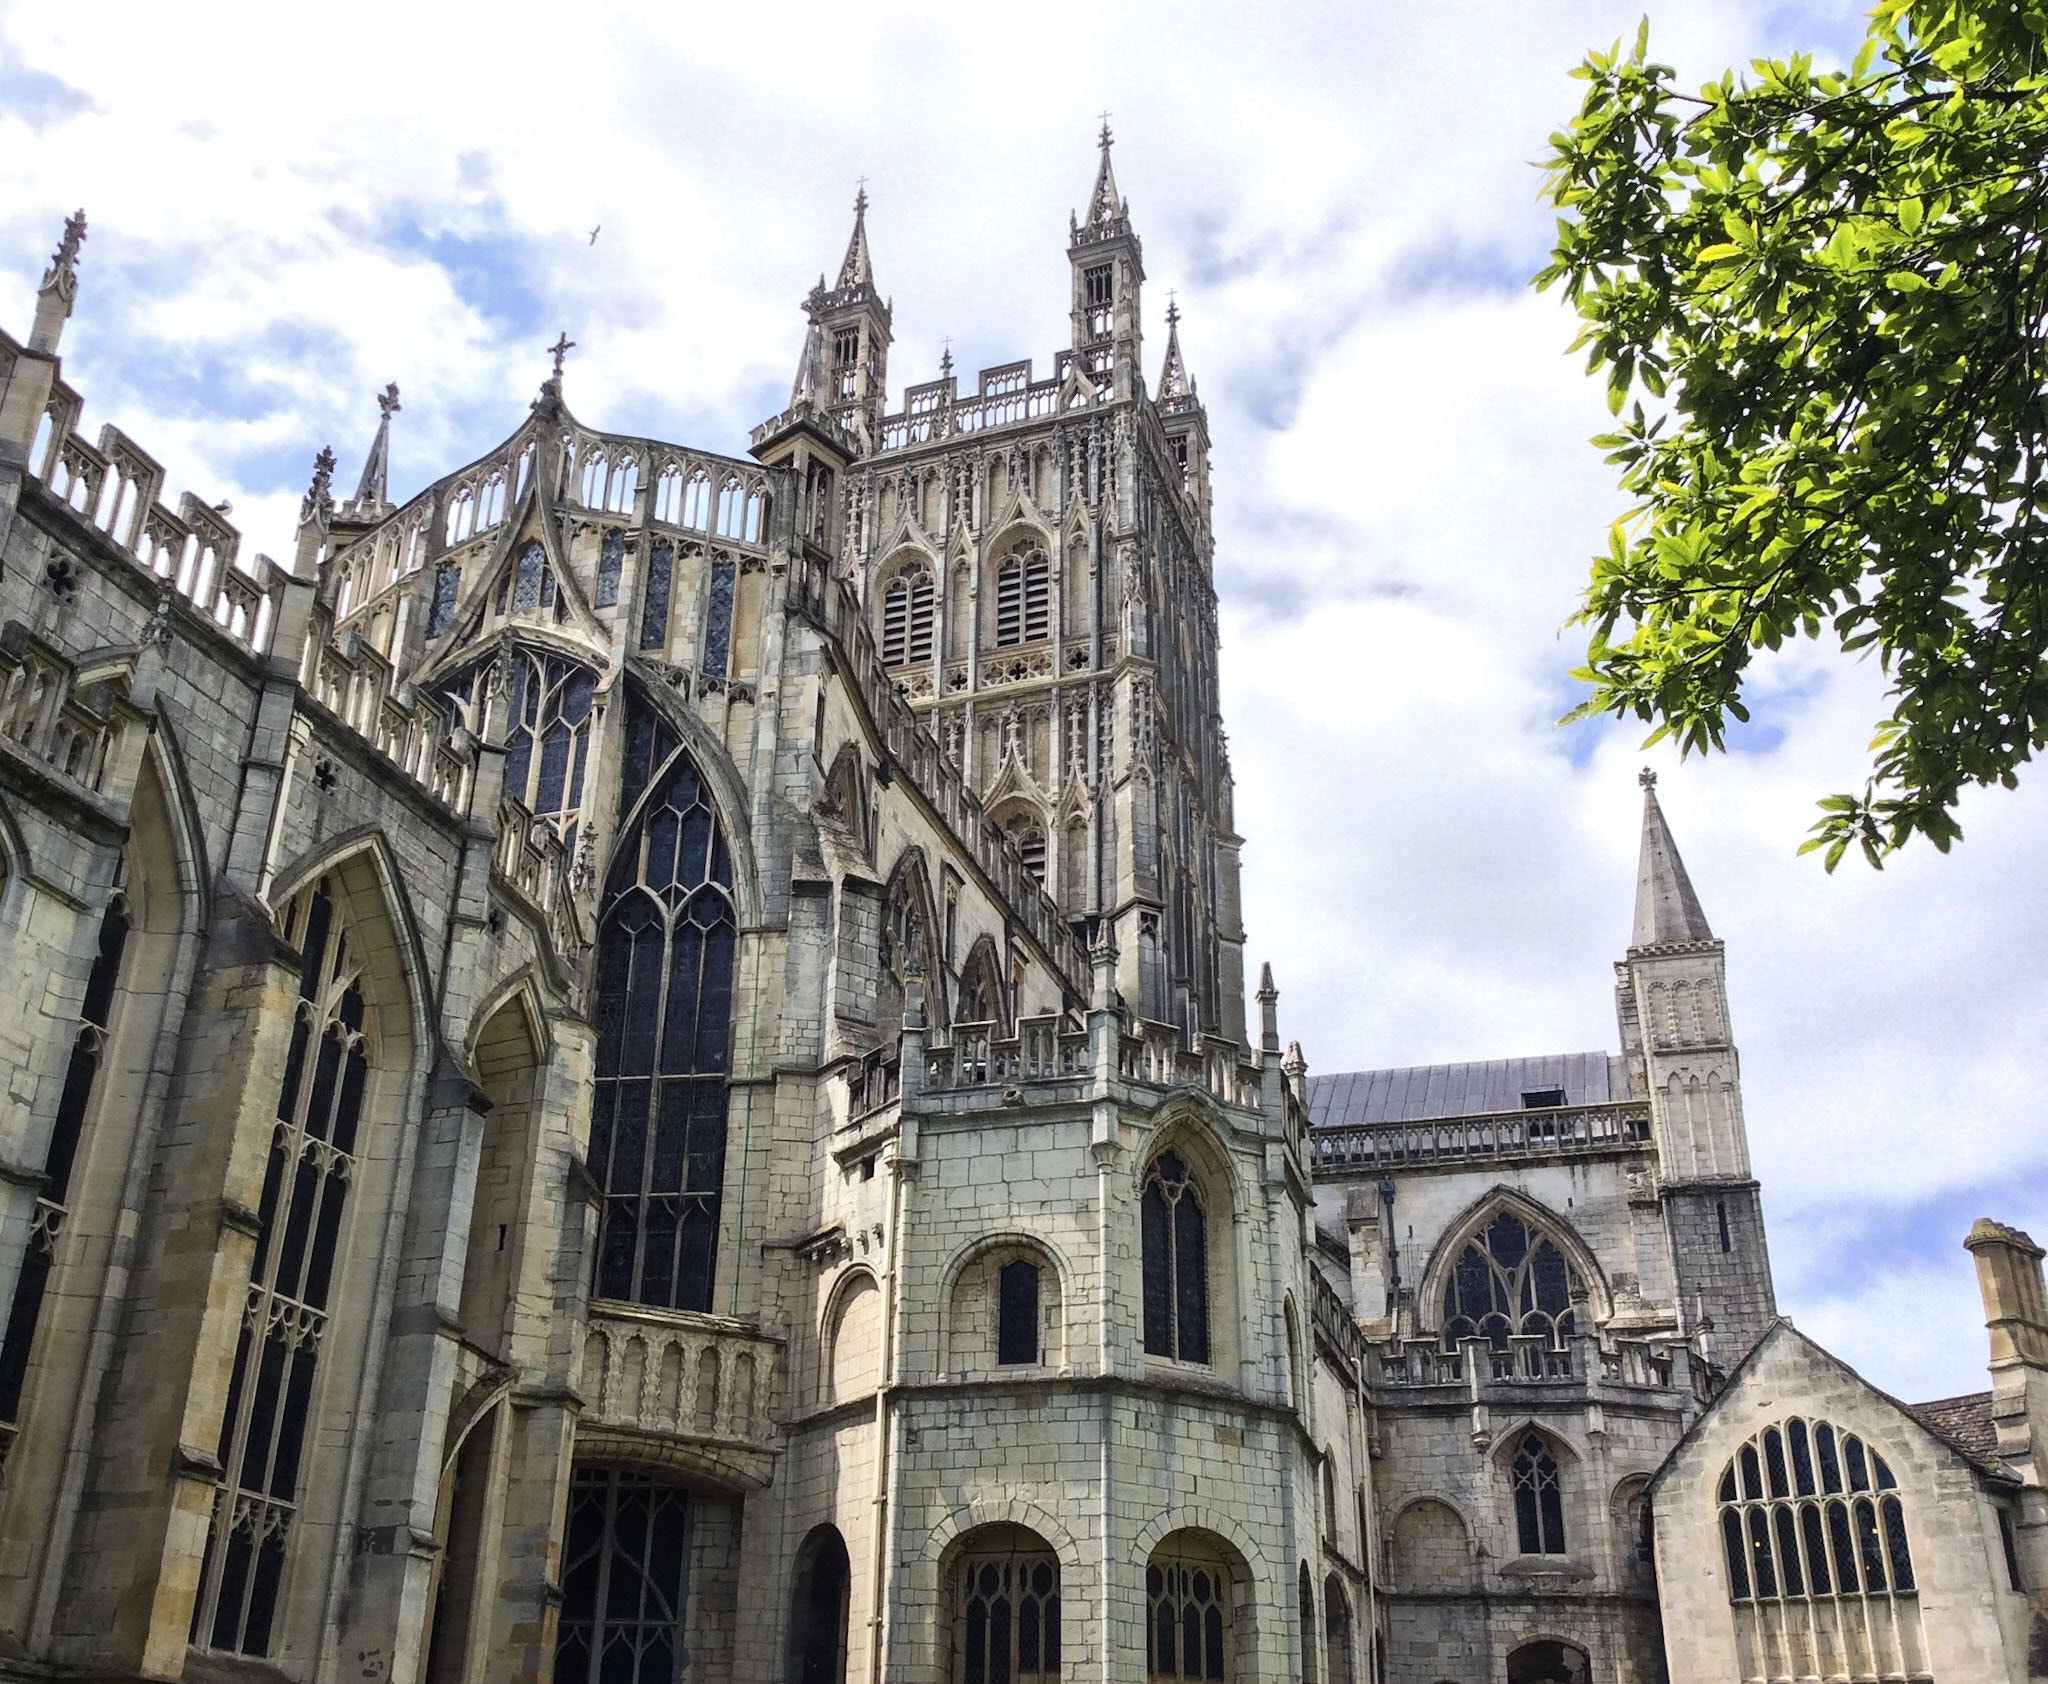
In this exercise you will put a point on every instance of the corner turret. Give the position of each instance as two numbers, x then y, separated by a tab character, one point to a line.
1109	270
845	365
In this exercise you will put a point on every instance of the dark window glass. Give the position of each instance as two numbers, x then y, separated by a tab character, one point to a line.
661	566
718	621
664	1007
526	594
1017	1314
625	1566
2011	1548
263	1433
1539	1499
818	1610
611	561
1738	1556
1187	1617
447	585
1510	1279
1175	1263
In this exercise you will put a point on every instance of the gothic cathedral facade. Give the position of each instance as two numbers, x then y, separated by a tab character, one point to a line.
635	1070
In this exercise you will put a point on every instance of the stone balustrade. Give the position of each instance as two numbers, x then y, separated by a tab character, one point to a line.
1363	1147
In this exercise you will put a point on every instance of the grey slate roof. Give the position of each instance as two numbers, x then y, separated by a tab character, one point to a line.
1461	1090
1964	1421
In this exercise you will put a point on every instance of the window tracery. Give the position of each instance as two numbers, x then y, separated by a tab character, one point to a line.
665	952
1814	1538
1007	1597
718	618
529	585
661	565
305	1193
447	585
1510	1279
611	562
1539	1498
625	1568
548	748
1176	1263
1187	1613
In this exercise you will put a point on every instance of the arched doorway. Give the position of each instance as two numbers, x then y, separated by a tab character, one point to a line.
817	1609
1549	1662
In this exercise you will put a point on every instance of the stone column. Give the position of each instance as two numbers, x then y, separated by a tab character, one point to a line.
134	1570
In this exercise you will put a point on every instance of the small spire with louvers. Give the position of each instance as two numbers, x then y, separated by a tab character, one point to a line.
858	270
1173	378
373	489
1667	910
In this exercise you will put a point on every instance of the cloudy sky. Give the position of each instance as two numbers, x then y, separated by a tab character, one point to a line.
291	207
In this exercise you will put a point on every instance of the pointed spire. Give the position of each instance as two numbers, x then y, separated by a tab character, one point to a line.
1173	378
1105	204
1269	1010
372	491
858	270
1667	910
60	287
811	385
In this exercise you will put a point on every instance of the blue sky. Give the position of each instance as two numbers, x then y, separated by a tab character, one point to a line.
286	215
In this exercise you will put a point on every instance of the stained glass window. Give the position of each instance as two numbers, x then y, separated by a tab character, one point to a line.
285	1317
625	1566
664	1008
1017	1312
1007	1595
1510	1279
1187	1614
611	561
447	586
1176	1263
548	746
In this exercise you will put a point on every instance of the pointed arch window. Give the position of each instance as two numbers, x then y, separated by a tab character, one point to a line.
285	1319
668	496
1176	1263
697	501
1024	599
1539	1498
908	618
1510	1279
529	585
548	748
1814	1537
664	1007
46	1225
718	617
732	509
1007	1609
1187	1612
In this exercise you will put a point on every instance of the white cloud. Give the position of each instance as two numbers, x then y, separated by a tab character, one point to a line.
289	211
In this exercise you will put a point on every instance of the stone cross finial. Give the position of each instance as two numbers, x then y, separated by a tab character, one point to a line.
1647	778
387	400
60	287
1106	137
74	237
562	346
323	471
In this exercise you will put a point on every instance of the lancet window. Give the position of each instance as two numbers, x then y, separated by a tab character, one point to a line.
1017	1331
718	618
1024	599
46	1226
1007	1599
1539	1498
447	586
611	562
908	618
625	1568
1176	1263
664	1007
1814	1537
529	585
1510	1279
661	567
547	749
264	1428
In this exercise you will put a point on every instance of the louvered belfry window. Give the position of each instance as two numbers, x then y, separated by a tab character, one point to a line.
1024	600
664	1011
265	1428
907	619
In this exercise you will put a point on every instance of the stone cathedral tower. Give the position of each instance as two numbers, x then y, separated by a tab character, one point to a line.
634	1071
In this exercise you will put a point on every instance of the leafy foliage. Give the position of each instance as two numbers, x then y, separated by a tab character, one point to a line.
1819	302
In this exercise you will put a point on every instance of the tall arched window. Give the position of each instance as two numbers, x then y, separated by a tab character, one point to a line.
718	617
549	743
1006	1611
1023	599
1539	1498
447	586
818	1608
908	608
661	566
1187	1612
1337	1658
664	1009
1510	1279
1305	1592
1176	1263
305	1192
88	1047
611	563
1814	1537
625	1566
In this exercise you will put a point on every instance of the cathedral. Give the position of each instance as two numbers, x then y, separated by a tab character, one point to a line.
636	1070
